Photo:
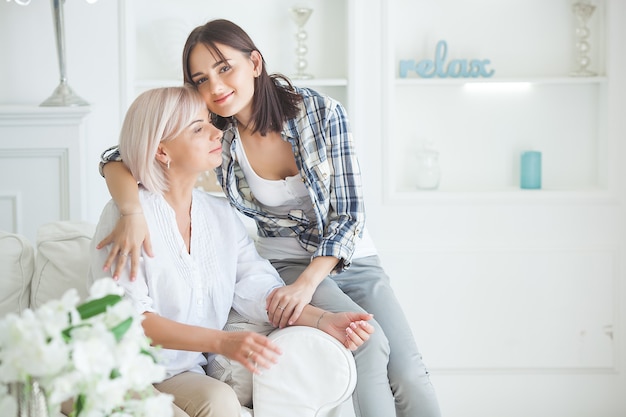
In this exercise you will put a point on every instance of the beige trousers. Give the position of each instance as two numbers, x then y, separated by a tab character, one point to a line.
197	395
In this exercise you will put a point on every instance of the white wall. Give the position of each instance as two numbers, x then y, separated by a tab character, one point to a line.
29	71
467	374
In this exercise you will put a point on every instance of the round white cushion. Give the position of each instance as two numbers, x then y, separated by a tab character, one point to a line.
314	376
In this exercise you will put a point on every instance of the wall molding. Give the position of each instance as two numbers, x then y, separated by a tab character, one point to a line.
14	201
62	156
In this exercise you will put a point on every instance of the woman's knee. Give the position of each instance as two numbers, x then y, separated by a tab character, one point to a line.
202	396
219	400
377	349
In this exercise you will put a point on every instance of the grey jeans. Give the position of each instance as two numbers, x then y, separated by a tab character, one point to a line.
392	380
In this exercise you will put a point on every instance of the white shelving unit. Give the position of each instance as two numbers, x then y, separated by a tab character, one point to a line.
480	126
508	289
154	33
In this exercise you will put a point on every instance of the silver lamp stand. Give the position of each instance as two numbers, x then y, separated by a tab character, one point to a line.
63	95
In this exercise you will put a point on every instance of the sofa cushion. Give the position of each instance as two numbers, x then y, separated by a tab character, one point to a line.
17	261
232	372
62	260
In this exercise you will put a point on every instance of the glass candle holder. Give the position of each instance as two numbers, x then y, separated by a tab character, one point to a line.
530	172
300	15
583	10
428	172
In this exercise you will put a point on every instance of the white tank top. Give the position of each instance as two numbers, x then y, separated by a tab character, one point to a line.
280	197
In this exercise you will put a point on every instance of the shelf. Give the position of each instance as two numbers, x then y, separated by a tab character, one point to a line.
530	80
315	82
511	195
321	82
33	114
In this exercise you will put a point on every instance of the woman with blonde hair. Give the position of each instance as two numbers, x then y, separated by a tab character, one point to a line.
207	262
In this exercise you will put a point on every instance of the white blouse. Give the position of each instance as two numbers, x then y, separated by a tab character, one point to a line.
198	288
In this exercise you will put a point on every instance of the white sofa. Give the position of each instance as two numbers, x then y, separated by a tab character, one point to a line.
315	376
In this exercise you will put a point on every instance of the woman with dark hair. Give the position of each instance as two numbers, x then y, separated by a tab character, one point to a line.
288	162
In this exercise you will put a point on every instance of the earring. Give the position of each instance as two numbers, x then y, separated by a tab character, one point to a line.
168	164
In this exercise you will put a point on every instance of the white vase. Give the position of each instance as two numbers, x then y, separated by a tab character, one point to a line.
428	171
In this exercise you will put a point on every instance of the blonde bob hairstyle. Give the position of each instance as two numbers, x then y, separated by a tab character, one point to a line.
156	116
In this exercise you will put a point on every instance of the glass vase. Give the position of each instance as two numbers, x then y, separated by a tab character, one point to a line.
428	171
30	398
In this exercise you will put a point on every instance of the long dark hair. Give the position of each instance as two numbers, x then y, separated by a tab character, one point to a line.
275	99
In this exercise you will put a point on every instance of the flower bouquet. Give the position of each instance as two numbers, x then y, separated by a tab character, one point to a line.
94	354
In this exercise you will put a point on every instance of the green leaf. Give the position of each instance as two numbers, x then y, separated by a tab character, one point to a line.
66	333
79	405
121	329
148	353
99	306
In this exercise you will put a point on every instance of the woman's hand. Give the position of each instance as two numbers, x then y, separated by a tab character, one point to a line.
252	350
351	329
285	304
128	237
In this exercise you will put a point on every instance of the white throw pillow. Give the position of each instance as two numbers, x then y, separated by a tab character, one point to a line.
232	372
62	260
17	262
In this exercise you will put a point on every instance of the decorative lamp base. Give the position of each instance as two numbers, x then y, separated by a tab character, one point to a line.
301	77
583	73
63	96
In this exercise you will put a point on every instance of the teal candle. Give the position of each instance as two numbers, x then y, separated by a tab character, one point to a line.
530	173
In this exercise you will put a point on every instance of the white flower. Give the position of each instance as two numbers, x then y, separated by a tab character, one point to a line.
94	353
103	287
27	349
57	315
141	371
65	386
94	356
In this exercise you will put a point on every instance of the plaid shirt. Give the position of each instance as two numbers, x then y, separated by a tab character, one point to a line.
323	147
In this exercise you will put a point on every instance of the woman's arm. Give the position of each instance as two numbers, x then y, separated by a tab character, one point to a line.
351	329
285	304
344	219
131	231
251	349
341	208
